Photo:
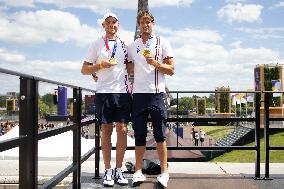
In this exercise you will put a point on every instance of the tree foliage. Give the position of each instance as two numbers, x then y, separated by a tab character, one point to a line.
186	103
223	103
271	73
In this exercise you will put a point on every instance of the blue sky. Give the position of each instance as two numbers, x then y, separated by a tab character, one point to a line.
216	42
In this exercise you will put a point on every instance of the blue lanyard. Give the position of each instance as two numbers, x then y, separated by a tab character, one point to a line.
114	49
149	43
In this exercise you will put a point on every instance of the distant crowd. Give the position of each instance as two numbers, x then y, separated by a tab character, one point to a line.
5	127
45	126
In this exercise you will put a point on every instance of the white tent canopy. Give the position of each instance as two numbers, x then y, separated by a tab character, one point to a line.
60	146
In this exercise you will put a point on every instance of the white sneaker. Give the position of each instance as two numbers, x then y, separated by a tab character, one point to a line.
138	178
119	178
163	179
108	180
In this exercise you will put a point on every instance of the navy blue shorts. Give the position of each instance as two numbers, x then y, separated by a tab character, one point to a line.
113	107
145	104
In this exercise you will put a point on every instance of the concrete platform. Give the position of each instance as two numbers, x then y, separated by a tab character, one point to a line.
197	175
189	181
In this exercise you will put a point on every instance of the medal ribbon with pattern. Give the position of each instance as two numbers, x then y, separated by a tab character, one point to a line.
112	59
146	52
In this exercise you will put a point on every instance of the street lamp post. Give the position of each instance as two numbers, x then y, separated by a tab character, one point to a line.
142	5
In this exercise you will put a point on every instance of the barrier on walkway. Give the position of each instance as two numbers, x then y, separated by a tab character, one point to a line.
29	135
267	120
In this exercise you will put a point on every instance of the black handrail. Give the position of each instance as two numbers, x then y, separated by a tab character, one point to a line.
27	76
206	92
29	135
267	120
256	119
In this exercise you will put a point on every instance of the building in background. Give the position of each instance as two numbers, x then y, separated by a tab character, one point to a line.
268	77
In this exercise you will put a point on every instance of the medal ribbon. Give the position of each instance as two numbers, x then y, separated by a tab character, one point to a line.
149	42
114	47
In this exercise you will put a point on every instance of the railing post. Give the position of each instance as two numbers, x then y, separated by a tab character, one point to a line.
97	149
77	112
28	126
266	132
257	135
177	120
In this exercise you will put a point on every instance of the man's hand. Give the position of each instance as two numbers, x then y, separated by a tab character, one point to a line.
151	61
106	64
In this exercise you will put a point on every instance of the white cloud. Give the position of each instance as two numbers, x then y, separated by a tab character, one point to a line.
203	64
234	1
240	13
160	3
264	33
189	35
236	44
253	56
278	5
62	71
19	3
100	6
11	57
29	28
200	70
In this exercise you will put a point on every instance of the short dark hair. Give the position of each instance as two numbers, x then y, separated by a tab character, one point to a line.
143	14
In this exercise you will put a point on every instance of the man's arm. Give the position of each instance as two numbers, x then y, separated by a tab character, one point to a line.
167	68
89	68
130	68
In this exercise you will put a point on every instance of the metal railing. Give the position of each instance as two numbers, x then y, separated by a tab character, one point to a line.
177	120
267	120
29	135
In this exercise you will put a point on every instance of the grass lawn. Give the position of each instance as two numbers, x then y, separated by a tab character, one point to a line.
249	156
216	132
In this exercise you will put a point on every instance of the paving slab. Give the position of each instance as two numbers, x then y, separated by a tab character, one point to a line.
183	175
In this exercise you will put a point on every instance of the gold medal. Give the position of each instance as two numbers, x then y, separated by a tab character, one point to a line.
113	61
147	53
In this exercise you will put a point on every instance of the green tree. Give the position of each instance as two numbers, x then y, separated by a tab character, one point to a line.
210	101
173	102
2	101
201	106
271	73
224	100
48	99
186	103
43	108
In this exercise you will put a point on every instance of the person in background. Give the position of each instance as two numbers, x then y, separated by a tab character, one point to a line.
193	131
196	138
201	137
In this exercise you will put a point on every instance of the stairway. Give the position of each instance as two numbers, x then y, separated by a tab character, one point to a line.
234	137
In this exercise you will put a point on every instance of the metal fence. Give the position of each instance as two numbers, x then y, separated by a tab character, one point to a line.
29	135
178	120
267	121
